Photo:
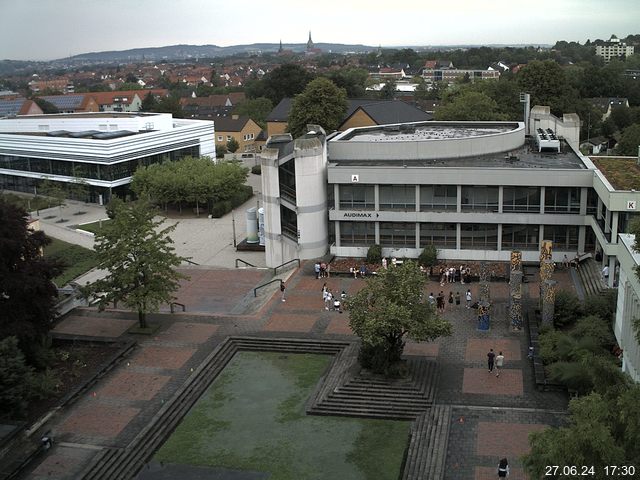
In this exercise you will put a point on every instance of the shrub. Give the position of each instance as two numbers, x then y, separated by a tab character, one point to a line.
256	170
41	385
603	305
14	378
382	361
429	256
549	342
596	328
241	196
374	254
568	309
221	208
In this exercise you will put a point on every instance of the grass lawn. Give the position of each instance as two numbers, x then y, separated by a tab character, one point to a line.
78	260
93	227
252	418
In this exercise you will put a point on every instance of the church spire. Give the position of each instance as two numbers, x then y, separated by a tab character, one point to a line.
309	42
280	49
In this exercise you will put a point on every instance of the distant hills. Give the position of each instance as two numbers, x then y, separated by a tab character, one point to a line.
179	52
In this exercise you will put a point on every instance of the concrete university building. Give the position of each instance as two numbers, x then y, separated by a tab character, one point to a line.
474	190
101	149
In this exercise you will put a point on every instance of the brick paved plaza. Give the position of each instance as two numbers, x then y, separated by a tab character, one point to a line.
491	416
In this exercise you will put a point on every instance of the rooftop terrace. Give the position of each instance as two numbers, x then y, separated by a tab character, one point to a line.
426	131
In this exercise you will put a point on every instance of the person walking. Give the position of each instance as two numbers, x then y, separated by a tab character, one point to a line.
450	300
499	363
440	302
490	359
468	298
283	290
316	268
503	468
432	299
457	297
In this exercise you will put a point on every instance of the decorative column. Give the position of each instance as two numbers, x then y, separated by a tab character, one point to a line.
546	266
515	290
548	301
484	303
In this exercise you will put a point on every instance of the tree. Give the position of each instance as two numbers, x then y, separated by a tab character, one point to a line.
629	141
53	191
321	103
232	145
353	80
548	85
27	293
14	378
140	259
257	109
429	256
470	105
149	103
285	81
45	106
389	309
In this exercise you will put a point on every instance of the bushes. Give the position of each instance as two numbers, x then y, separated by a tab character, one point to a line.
429	256
14	378
568	309
223	207
256	170
219	209
374	254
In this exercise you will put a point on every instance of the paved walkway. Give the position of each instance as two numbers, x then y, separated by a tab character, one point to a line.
205	241
491	416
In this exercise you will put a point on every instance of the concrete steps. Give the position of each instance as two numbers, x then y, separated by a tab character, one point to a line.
591	278
427	453
349	392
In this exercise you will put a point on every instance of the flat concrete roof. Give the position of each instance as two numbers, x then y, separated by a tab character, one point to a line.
412	132
524	157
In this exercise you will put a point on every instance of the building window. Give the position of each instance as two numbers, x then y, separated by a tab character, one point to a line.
520	237
438	197
220	138
229	137
398	235
521	199
592	202
397	197
357	233
440	235
564	237
357	197
478	236
562	200
482	199
289	223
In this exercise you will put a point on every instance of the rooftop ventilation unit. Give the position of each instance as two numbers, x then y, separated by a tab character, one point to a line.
547	141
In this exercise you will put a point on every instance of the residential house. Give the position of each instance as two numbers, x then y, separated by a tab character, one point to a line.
62	85
18	106
607	104
435	71
360	113
212	106
244	130
74	103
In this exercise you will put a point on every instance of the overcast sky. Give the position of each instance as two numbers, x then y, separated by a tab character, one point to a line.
49	29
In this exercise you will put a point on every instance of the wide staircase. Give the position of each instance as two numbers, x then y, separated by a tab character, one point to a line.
590	277
427	453
349	391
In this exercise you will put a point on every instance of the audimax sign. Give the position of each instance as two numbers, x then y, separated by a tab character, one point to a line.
359	215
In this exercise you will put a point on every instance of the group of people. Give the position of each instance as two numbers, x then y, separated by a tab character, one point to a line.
331	301
322	270
453	274
440	302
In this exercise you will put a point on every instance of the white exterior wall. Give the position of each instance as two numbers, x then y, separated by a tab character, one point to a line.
568	127
78	122
311	197
628	307
274	250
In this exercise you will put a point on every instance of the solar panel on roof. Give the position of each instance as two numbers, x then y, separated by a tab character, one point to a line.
65	101
110	135
11	107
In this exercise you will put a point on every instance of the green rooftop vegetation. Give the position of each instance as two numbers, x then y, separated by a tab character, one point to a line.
622	172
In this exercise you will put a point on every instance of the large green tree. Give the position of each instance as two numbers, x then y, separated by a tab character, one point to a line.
322	103
285	81
602	431
27	293
389	309
257	109
629	141
140	259
470	106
